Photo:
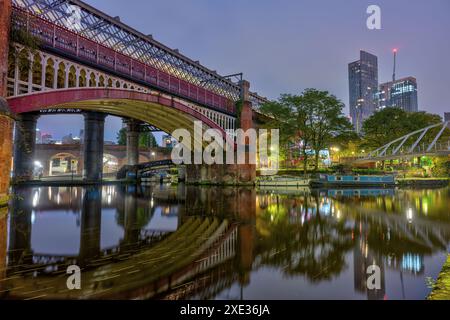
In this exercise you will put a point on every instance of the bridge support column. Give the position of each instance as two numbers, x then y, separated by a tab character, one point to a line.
6	123
133	131
24	147
131	223
247	230
94	127
247	172
20	228
229	174
220	174
91	221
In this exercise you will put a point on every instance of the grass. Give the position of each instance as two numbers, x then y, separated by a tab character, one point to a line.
441	289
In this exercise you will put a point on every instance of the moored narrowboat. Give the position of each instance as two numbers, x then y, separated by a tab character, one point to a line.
326	180
283	181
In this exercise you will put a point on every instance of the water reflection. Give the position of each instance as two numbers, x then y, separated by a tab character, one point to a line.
225	243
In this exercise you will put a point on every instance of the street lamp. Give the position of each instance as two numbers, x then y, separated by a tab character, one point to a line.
335	151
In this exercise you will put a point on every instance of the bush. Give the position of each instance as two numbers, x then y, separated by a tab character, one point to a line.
441	168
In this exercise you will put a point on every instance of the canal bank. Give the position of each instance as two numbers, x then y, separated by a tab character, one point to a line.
423	182
441	290
4	201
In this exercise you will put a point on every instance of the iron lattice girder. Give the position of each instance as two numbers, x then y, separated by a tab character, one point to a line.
109	31
382	151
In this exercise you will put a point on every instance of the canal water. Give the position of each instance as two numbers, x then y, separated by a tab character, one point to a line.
179	242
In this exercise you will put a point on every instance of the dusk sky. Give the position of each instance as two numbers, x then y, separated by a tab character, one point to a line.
285	46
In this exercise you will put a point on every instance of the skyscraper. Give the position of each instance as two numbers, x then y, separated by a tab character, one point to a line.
38	136
401	93
363	85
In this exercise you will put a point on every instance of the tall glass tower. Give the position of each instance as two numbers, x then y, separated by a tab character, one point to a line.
401	93
363	85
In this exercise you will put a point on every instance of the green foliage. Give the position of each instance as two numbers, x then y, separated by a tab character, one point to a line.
389	124
327	123
239	105
441	168
146	139
426	162
315	118
30	45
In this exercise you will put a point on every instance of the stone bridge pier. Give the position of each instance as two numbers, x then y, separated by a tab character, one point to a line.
91	221
24	146
94	128
133	131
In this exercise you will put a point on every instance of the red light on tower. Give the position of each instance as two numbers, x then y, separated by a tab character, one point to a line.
395	50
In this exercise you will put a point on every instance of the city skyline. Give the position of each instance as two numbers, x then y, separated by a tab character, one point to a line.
319	56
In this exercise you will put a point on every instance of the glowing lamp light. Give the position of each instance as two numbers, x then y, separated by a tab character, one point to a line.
395	50
409	215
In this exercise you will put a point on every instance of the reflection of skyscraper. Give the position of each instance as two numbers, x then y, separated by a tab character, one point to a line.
38	136
363	85
363	258
46	138
82	136
412	263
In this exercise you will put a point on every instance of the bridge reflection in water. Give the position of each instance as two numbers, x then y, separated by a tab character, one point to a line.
226	243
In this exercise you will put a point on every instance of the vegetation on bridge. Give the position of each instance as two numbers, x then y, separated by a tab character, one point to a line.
30	45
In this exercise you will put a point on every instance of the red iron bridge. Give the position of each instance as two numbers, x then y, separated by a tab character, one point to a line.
82	60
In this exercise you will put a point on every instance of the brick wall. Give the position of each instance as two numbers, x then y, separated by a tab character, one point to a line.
5	122
3	238
5	153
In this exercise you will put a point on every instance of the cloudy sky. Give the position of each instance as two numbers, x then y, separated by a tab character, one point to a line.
285	46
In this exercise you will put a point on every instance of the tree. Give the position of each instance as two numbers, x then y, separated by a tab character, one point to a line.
283	115
389	124
313	120
146	139
382	127
326	122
